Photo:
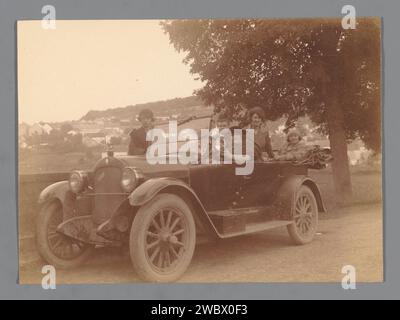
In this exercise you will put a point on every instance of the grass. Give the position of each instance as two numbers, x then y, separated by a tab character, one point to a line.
366	185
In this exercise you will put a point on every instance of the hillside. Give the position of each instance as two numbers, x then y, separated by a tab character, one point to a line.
182	106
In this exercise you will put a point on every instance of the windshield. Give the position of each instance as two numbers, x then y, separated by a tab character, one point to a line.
203	122
194	136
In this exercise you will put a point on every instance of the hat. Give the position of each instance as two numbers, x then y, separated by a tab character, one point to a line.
257	110
146	113
293	132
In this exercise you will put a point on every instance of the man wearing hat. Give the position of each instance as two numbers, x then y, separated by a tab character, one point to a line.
138	144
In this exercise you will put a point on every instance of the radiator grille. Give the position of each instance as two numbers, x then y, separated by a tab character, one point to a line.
107	185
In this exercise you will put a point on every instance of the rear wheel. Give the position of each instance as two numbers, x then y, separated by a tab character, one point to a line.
162	239
305	217
56	248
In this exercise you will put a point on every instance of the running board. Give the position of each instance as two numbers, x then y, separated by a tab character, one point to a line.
234	222
239	211
257	227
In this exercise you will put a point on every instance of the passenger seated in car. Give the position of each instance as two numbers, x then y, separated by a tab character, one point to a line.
218	116
222	122
262	141
294	149
138	144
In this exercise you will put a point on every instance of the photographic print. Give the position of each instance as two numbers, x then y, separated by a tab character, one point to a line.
200	151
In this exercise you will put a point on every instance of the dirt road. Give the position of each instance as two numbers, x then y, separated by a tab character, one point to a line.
350	235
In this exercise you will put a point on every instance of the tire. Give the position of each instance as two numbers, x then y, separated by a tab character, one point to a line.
55	248
162	239
305	217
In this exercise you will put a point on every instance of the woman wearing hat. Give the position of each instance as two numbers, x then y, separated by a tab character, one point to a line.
138	144
262	141
294	149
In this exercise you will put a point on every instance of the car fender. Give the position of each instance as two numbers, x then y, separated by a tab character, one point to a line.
150	188
147	190
286	195
58	190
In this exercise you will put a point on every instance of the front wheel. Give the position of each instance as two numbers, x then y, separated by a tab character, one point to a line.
162	239
305	217
56	248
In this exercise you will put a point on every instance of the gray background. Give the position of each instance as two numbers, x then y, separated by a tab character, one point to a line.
13	10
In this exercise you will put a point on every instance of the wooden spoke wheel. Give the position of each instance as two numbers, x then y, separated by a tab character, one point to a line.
162	239
56	248
305	217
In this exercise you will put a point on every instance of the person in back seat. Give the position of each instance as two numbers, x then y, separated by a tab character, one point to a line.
294	149
262	141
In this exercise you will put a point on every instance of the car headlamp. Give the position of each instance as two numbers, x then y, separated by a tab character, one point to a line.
130	179
78	181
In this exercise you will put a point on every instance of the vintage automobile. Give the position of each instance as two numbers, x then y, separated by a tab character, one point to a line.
160	210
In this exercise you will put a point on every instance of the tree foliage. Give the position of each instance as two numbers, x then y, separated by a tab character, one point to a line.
289	67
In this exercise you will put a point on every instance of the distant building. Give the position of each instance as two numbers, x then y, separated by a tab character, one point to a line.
36	128
39	128
359	156
73	132
46	128
99	140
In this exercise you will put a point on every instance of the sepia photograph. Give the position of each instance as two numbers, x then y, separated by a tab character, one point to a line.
200	151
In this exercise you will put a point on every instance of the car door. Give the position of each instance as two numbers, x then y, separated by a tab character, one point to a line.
216	185
259	187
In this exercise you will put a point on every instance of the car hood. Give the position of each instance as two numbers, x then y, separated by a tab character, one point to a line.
155	170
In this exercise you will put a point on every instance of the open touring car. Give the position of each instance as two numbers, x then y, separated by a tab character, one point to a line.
160	210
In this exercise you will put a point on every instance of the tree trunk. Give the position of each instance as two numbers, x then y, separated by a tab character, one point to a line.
332	88
338	143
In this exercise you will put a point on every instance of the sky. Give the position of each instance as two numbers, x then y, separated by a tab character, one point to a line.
95	65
